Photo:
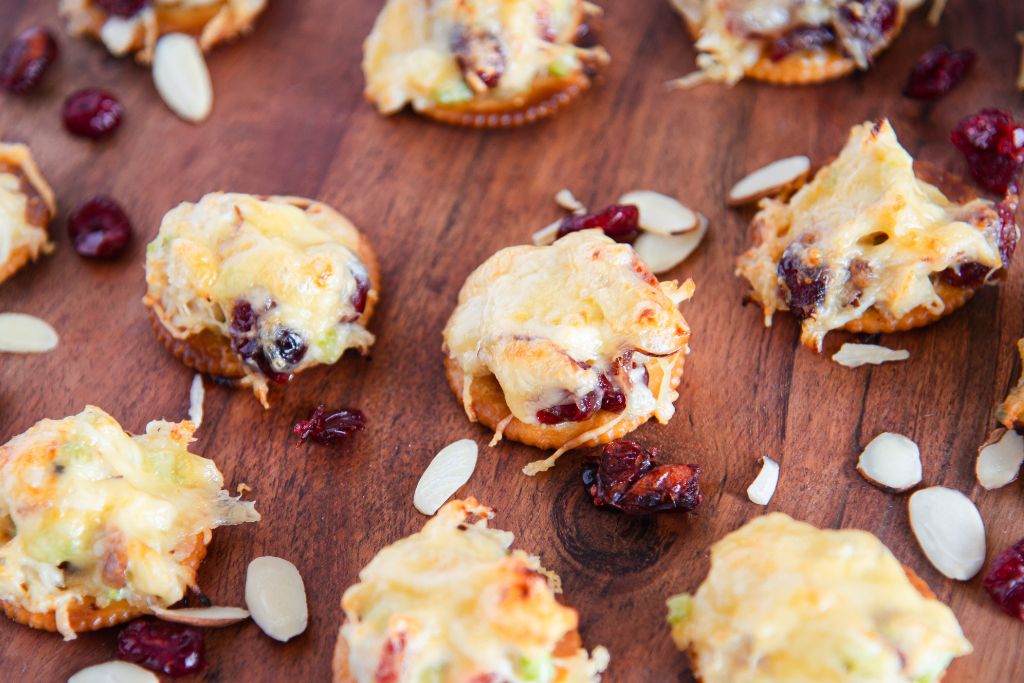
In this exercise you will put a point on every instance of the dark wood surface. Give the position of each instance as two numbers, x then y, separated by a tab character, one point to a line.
290	118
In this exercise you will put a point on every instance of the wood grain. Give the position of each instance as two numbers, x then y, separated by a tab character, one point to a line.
290	119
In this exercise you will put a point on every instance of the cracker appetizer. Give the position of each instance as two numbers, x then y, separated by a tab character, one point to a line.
788	42
481	63
454	604
257	289
571	344
786	602
133	26
26	208
1011	412
98	526
870	245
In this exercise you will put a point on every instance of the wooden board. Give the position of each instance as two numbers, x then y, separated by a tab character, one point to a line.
435	201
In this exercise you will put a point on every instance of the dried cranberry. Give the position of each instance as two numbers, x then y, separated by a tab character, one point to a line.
621	222
99	228
805	284
585	35
579	410
480	55
290	347
968	275
92	113
804	37
613	399
243	318
25	61
938	71
121	8
863	26
1004	580
993	144
170	649
326	428
362	290
1008	229
627	476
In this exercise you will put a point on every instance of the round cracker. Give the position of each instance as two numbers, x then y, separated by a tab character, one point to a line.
86	615
210	353
491	410
40	207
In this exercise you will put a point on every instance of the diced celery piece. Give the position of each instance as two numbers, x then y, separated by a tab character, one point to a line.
453	92
564	64
540	669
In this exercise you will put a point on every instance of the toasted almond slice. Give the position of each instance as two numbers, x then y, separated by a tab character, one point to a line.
855	355
181	77
949	530
891	462
119	35
662	254
196	395
447	472
276	597
661	214
114	672
546	235
999	459
935	12
204	617
21	333
763	487
565	199
769	179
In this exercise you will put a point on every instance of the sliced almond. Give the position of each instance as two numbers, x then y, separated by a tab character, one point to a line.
662	254
949	530
935	12
181	77
206	617
763	487
450	469
661	214
1020	73
120	35
546	235
999	459
114	672
855	355
21	333
891	462
196	395
769	180
276	597
565	199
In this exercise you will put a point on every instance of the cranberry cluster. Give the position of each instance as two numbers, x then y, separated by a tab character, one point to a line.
274	360
627	476
608	396
993	144
327	428
805	285
170	649
621	222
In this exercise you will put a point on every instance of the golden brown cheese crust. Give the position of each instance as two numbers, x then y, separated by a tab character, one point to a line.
432	56
453	604
211	22
26	193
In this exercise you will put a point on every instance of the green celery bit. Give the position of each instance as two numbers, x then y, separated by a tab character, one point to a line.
564	64
679	607
540	669
454	92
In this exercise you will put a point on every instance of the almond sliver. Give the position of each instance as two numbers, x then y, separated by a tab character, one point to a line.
546	235
855	355
21	333
204	617
661	214
182	78
447	472
565	199
663	253
769	179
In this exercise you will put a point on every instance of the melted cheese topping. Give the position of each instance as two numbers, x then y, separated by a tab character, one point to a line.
881	234
547	321
298	269
408	57
785	602
733	34
452	604
90	513
16	232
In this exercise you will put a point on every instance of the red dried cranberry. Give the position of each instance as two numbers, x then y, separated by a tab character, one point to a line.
99	228
326	428
170	649
627	476
359	297
804	37
480	55
621	222
805	284
25	61
579	410
1004	580
993	144
92	113
289	347
938	71
968	275
613	399
243	318
585	35
863	26
121	8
